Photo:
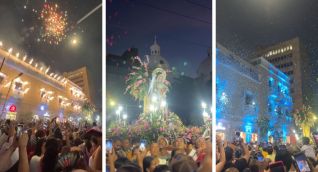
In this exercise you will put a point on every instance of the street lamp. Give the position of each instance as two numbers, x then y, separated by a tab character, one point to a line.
125	116
6	99
112	103
118	112
120	108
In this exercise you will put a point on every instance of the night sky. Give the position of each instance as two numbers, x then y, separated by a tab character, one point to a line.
183	29
19	29
242	25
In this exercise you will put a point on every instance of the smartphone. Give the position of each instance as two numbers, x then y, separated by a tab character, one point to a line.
19	130
142	146
301	162
277	167
109	145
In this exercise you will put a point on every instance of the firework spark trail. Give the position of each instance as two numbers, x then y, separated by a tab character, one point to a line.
90	13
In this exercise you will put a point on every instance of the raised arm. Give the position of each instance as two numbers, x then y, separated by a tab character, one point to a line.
23	157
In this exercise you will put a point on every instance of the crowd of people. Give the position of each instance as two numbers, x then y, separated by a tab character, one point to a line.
50	146
162	155
237	156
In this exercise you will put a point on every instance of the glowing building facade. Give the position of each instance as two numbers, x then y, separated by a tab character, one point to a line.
80	78
291	58
247	91
29	90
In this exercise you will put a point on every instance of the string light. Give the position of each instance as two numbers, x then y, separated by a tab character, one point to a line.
47	70
61	80
10	50
31	61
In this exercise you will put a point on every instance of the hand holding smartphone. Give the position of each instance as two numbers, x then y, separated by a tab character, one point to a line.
142	146
277	167
19	130
301	162
109	145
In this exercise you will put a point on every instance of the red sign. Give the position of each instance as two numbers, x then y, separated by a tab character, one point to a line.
12	108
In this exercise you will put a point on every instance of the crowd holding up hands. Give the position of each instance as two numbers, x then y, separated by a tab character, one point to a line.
50	146
237	156
160	156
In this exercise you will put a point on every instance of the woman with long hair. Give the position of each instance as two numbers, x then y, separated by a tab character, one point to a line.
50	157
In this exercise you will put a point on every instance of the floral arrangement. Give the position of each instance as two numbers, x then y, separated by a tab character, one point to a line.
117	130
150	124
137	79
149	130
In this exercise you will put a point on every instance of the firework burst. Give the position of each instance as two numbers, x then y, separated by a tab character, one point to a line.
54	23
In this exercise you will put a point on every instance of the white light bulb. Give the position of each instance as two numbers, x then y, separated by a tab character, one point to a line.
125	116
120	108
205	114
203	104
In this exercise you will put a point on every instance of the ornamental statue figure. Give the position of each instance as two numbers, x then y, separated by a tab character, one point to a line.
157	91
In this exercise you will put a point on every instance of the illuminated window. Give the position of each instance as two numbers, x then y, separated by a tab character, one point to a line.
18	85
249	98
291	47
